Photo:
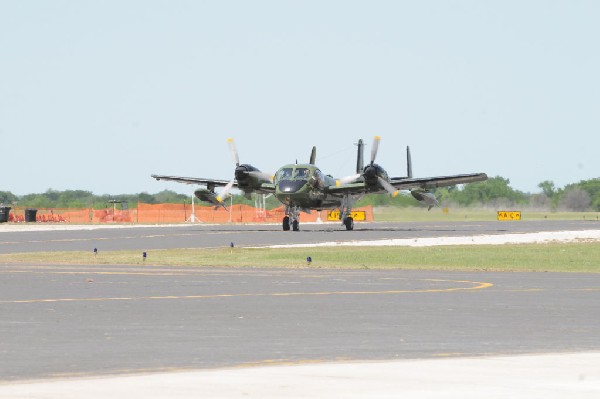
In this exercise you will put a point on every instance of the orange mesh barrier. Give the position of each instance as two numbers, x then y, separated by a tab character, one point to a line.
53	215
179	213
171	213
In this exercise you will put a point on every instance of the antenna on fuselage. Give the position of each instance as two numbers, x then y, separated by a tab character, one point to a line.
313	155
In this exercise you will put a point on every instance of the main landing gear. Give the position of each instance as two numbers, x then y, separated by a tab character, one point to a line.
349	223
291	219
346	211
286	224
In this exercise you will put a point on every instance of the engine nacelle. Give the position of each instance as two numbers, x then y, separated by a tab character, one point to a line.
206	195
371	174
249	178
426	197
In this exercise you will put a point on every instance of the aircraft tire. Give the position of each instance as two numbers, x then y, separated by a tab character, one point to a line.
349	223
286	223
296	225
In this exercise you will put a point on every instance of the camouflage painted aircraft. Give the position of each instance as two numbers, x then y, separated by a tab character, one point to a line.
303	187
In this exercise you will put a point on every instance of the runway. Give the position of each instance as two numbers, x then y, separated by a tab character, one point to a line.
37	238
65	321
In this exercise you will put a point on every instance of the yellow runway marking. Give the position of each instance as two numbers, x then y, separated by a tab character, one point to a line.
476	286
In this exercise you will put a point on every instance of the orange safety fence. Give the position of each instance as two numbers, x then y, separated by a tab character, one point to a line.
171	213
178	213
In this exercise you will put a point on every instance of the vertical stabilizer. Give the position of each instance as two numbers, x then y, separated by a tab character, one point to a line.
359	157
313	156
408	163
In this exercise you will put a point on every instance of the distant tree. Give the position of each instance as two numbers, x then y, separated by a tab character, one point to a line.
74	199
7	198
170	197
36	201
576	199
540	201
495	189
146	198
592	187
548	188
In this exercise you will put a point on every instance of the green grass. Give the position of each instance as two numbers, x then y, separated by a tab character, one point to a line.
573	257
414	214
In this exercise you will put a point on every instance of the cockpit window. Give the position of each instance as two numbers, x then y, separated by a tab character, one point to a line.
285	173
302	173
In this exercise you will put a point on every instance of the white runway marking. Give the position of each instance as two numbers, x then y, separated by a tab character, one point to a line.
553	376
495	239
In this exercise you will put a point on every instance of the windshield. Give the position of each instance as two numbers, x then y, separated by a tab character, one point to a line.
302	173
285	173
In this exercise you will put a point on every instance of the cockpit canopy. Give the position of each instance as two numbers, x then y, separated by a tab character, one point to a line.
292	173
291	178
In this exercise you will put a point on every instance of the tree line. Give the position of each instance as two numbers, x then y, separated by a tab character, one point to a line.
495	192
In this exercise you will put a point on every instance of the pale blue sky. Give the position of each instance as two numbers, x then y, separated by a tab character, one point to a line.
97	95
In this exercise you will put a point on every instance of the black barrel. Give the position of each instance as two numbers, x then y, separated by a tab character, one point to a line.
30	215
4	211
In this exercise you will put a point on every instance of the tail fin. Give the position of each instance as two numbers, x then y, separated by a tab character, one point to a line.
359	157
313	156
408	163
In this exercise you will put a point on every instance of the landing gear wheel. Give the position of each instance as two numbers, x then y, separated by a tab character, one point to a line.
286	223
295	225
349	223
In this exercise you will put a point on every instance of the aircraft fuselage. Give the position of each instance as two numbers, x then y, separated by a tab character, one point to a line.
302	185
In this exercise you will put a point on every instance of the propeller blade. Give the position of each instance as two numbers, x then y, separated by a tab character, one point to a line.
233	151
374	148
388	187
347	179
262	176
223	194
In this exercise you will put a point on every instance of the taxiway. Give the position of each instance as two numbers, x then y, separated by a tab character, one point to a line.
62	321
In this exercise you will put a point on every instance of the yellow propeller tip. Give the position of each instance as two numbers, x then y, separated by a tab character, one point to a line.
229	140
219	199
338	183
377	137
394	194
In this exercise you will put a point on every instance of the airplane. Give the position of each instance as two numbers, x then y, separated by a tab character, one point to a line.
303	187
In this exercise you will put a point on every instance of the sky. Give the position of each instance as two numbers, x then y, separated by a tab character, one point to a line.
98	95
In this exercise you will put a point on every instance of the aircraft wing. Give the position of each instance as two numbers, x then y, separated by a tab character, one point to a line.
193	180
266	188
438	181
351	188
404	183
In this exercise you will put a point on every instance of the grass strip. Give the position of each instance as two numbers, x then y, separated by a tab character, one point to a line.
420	214
553	257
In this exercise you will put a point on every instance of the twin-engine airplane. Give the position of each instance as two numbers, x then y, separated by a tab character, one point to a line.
303	187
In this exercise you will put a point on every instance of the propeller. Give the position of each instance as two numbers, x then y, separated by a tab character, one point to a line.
233	151
241	172
347	180
371	171
388	187
375	148
262	175
223	194
236	158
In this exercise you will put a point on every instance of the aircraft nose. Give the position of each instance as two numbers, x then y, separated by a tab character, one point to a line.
291	186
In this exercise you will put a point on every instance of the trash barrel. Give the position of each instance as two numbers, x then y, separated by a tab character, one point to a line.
30	215
4	210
